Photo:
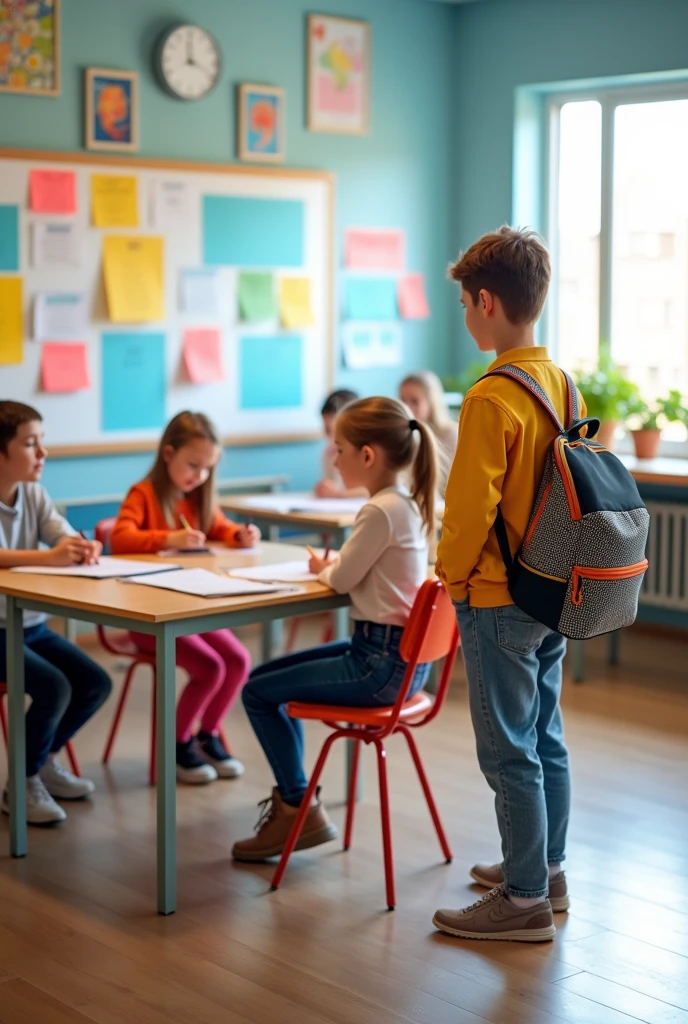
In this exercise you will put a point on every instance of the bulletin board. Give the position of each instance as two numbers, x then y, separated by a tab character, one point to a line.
232	226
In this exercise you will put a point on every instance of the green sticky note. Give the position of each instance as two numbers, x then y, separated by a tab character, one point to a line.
257	299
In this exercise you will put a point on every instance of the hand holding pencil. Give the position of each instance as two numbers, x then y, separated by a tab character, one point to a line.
187	539
317	564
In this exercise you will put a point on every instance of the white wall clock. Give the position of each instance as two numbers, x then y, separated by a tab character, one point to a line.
188	62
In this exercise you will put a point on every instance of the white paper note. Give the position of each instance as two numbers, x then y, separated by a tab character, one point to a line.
367	344
172	205
57	246
200	292
106	568
202	583
60	316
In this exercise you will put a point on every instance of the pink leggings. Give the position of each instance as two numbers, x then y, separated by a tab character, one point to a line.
218	665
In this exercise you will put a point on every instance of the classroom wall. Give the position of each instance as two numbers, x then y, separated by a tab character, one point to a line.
502	44
398	176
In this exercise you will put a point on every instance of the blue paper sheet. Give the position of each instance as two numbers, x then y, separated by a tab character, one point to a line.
371	298
271	372
133	380
9	238
247	232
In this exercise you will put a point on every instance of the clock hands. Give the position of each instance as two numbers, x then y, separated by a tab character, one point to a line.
189	47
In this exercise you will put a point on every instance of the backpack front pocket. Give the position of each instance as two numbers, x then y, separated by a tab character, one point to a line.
601	600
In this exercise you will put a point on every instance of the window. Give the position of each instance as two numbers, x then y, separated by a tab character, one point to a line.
618	228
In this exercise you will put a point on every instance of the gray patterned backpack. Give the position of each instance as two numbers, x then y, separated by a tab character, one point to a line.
581	563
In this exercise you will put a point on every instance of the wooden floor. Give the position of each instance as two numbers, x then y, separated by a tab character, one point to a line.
80	941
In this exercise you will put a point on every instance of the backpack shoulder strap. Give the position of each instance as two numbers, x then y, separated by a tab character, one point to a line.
523	378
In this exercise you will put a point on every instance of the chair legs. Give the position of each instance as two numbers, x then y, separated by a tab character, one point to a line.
386	825
3	718
112	735
152	767
351	798
446	849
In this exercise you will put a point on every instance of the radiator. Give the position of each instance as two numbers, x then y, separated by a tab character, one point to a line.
666	581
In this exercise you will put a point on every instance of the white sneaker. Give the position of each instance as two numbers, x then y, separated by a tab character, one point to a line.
210	748
61	783
191	768
41	809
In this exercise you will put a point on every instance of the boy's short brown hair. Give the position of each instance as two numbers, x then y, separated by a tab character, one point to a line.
513	265
12	416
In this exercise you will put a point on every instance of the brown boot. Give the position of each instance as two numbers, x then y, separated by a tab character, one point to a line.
274	825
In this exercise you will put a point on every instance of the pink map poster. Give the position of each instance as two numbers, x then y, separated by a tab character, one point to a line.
338	75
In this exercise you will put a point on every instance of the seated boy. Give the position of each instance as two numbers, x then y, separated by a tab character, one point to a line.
331	485
513	663
66	687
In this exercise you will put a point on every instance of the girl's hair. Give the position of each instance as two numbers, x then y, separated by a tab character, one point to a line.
385	422
439	419
184	428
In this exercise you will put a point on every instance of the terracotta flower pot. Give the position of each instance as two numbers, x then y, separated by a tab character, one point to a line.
646	443
605	435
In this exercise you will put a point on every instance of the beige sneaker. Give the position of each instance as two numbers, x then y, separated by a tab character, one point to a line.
274	825
495	917
493	875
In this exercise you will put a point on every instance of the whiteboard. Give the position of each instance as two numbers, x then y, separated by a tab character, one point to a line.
74	421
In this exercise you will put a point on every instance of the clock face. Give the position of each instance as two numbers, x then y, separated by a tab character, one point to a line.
189	62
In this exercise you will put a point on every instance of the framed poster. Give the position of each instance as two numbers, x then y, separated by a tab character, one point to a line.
261	123
29	47
338	75
112	110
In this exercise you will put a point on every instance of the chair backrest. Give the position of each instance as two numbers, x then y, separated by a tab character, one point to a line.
104	530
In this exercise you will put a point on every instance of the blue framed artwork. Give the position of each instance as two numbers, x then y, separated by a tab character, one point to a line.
112	110
261	123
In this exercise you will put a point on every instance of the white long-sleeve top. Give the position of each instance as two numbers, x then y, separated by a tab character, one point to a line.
385	560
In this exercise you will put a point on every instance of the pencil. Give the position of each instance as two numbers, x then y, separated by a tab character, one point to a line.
310	551
185	523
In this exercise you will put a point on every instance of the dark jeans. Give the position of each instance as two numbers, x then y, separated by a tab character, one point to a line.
66	688
365	671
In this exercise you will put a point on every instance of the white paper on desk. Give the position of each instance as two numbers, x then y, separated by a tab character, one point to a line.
60	316
57	246
281	572
214	549
106	568
305	503
200	292
202	583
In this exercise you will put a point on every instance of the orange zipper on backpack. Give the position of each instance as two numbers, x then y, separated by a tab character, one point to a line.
589	572
538	513
567	479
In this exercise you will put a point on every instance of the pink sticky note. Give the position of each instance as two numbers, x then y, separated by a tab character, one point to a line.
413	303
374	249
203	355
64	366
52	191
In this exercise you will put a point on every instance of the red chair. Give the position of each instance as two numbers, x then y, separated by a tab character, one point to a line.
122	646
431	634
71	755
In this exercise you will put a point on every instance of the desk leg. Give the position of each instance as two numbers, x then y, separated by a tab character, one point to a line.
166	786
17	728
577	649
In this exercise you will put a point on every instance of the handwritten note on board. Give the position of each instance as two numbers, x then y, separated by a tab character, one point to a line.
64	367
133	270
52	191
59	316
374	249
57	246
296	309
202	348
114	202
200	292
11	332
413	303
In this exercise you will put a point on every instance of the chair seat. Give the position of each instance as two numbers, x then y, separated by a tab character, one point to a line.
120	643
417	705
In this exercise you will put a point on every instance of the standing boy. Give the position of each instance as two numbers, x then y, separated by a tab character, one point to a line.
513	663
65	686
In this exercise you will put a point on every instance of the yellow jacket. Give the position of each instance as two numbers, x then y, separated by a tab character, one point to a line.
504	438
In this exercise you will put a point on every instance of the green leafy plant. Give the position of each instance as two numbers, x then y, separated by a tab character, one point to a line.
464	381
607	392
642	415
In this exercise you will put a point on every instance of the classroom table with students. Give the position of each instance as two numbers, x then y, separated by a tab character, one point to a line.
165	615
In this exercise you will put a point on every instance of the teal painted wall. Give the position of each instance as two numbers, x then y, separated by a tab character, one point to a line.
399	175
503	44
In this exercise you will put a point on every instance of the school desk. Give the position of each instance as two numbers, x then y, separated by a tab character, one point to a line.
165	615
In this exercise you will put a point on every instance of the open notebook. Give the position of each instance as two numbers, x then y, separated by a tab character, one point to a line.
105	568
282	572
202	583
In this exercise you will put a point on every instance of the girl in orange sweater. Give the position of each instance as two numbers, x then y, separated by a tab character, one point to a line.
174	507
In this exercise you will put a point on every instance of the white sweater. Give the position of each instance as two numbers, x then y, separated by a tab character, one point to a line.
384	561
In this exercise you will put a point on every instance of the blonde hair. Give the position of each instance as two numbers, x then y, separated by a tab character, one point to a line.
385	422
181	430
431	386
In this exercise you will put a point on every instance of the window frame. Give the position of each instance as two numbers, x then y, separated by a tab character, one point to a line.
609	99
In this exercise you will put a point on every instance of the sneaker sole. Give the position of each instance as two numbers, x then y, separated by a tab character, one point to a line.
52	823
520	935
560	904
305	842
197	780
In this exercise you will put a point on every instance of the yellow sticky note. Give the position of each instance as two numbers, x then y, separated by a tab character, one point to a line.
295	302
114	201
11	328
133	271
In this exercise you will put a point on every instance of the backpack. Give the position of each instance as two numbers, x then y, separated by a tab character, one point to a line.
581	563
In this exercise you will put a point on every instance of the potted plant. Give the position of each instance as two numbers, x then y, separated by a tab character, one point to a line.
608	394
645	421
456	387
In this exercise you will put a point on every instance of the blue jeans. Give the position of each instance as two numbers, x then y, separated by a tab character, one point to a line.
514	669
66	687
365	671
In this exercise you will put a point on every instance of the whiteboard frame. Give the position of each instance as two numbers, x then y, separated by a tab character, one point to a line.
120	163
